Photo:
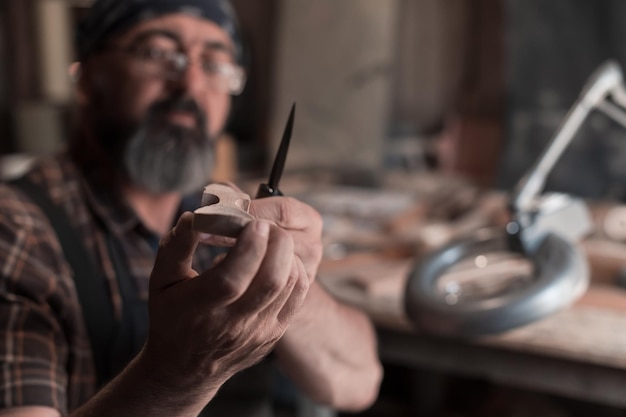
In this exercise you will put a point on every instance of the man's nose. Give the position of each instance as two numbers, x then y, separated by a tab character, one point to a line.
192	80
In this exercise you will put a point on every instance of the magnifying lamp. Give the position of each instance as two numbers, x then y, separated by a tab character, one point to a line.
543	232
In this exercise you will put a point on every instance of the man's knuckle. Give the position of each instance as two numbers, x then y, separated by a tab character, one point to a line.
236	329
271	286
291	280
268	337
252	247
285	210
227	288
285	238
302	285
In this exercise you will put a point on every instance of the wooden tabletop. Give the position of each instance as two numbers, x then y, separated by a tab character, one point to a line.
593	331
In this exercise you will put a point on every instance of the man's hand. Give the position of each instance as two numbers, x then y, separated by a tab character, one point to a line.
206	327
329	350
301	221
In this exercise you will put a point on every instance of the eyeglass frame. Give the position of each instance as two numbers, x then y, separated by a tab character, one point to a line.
181	62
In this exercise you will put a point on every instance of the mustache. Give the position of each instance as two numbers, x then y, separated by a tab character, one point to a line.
178	104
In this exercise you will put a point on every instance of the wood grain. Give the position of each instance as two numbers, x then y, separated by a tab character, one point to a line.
224	211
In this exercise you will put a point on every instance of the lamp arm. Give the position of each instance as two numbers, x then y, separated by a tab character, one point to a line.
606	80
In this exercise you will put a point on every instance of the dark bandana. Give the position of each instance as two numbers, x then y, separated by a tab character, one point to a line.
108	17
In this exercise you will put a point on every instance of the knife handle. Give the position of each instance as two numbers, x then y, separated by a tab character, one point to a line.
267	191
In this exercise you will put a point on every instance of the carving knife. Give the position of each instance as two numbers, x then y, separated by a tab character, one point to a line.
271	188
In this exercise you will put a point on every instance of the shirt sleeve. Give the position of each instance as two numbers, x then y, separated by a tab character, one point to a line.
34	300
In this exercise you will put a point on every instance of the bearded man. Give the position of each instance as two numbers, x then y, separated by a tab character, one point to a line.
100	319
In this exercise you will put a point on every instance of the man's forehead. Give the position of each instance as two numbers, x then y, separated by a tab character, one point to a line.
189	30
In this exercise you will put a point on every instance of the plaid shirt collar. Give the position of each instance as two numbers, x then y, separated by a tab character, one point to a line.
115	213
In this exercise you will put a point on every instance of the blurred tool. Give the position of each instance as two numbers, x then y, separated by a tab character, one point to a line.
271	188
544	230
609	218
605	83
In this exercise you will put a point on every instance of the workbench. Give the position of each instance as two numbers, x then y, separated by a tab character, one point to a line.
578	353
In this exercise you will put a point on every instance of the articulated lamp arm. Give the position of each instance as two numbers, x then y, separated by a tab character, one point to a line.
606	80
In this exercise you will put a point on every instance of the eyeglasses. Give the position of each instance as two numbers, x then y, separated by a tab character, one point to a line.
171	65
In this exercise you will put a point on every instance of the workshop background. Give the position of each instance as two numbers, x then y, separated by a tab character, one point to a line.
458	91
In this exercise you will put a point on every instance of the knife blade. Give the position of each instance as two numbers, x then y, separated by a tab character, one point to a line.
271	188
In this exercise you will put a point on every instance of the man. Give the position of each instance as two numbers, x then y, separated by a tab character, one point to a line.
153	92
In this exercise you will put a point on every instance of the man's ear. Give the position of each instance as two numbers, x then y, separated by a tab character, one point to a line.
76	75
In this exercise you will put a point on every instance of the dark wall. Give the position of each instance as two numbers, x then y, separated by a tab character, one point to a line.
553	47
4	94
5	134
251	110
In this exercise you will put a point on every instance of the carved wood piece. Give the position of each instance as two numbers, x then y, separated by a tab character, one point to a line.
224	211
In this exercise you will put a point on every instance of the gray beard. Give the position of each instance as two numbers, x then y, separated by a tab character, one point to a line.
170	158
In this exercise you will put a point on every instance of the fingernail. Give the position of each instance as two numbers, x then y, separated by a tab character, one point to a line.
205	236
262	228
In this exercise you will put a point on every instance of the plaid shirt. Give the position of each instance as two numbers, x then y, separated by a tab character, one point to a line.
45	352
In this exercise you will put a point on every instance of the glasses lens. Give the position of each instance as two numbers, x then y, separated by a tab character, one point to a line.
155	62
171	65
225	77
237	81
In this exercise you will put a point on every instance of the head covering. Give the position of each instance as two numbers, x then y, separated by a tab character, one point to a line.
109	17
